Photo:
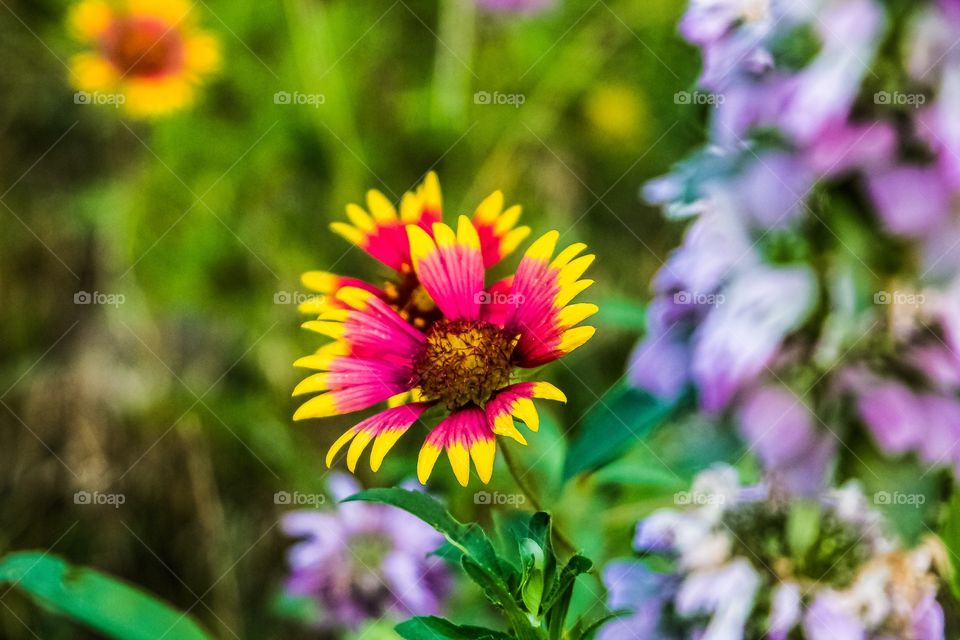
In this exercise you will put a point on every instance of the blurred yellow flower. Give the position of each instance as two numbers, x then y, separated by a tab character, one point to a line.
146	56
617	112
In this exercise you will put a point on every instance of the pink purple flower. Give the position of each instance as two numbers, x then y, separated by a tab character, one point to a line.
362	561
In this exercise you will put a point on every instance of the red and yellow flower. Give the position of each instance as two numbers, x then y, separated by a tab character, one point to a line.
436	335
147	54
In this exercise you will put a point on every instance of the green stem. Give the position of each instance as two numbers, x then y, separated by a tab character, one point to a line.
520	478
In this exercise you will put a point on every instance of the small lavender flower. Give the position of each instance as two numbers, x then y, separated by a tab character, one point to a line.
848	578
363	561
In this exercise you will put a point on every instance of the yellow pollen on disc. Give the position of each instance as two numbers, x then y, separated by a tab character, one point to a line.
463	362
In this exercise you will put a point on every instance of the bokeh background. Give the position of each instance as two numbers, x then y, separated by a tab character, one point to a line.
174	390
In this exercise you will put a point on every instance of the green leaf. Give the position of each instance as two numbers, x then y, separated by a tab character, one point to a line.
531	582
479	559
106	604
576	566
557	601
516	527
622	416
432	628
583	631
469	539
950	534
499	594
540	530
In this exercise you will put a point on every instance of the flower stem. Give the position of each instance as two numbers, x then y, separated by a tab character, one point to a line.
519	477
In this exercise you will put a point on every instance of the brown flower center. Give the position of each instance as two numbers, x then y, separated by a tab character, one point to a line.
142	46
464	362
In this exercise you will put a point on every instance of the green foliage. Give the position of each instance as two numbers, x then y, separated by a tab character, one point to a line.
622	416
890	482
582	630
468	539
531	581
431	628
96	600
534	599
950	534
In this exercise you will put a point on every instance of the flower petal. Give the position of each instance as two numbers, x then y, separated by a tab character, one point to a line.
516	401
450	267
381	231
538	301
463	434
383	429
327	284
370	362
499	235
90	19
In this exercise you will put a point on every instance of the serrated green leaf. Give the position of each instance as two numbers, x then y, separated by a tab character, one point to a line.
623	416
101	602
433	628
499	594
516	527
469	539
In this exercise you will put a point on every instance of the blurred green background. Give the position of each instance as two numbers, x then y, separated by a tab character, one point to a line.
179	397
